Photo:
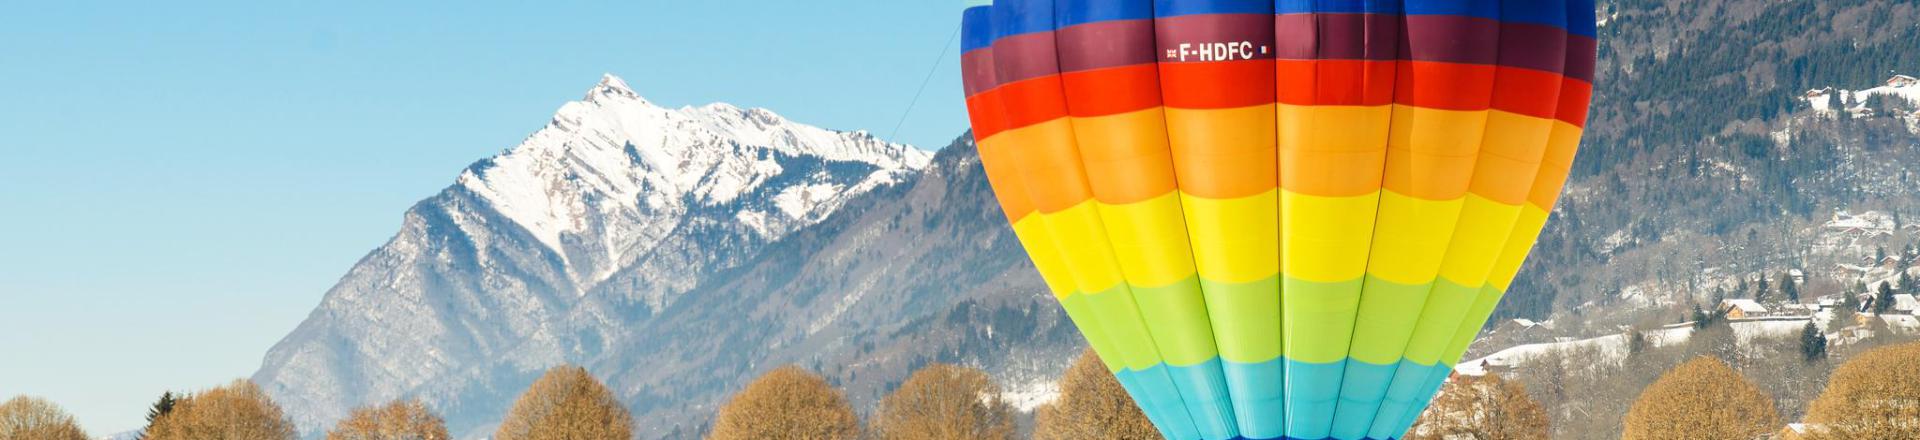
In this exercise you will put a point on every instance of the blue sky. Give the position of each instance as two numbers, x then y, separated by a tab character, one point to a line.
181	182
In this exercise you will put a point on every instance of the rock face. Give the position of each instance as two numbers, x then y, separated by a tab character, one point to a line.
559	249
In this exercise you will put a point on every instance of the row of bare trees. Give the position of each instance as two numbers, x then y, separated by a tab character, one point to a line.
940	401
1876	395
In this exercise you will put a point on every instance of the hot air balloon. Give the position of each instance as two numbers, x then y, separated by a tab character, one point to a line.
1278	218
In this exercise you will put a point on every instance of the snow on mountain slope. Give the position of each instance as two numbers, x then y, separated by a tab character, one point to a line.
542	254
614	151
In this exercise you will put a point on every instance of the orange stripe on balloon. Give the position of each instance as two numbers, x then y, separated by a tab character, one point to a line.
1126	155
1008	186
1049	160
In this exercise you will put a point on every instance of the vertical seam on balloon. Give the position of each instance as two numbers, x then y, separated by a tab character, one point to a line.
1399	24
1125	285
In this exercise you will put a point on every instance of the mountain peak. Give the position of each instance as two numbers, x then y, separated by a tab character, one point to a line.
611	85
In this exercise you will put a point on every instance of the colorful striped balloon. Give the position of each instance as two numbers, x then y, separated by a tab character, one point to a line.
1278	219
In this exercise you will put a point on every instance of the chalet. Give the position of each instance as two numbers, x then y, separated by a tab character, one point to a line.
1905	303
1742	308
1902	81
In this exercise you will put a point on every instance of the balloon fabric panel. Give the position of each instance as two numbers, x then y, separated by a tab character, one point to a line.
1278	219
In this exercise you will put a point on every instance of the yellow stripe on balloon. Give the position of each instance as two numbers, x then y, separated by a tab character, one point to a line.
1411	237
1234	239
1327	236
1149	240
1478	239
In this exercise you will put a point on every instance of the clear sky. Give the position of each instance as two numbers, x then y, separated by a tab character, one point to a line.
180	182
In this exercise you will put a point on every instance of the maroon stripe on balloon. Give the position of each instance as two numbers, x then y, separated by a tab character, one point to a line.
1106	44
1533	46
1246	36
1336	36
976	71
1581	51
1025	56
1451	39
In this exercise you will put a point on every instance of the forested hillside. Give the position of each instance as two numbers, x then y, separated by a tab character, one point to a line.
1704	163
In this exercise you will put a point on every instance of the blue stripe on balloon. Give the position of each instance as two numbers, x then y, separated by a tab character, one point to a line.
1176	8
1337	7
976	28
1071	13
1021	17
1580	19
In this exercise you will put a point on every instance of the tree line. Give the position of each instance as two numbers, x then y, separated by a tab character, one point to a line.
1876	395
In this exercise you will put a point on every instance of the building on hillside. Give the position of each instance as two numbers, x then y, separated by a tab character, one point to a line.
1795	309
1742	308
1902	81
1906	304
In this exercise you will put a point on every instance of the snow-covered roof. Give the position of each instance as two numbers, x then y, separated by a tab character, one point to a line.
1906	303
1745	305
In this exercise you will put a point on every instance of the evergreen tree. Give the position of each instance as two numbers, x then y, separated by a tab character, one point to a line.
1884	300
1788	289
1906	283
1813	343
1760	293
160	409
1879	254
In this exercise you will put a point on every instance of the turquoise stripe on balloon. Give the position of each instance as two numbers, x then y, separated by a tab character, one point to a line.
1141	398
1284	400
1159	389
1412	389
1313	391
1363	390
1203	390
1259	399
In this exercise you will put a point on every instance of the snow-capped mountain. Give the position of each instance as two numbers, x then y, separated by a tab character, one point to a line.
545	253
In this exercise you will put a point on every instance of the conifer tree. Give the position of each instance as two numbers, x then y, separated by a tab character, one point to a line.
160	409
1788	289
1883	300
1760	293
1813	343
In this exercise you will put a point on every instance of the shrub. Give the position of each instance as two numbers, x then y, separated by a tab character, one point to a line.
944	402
1703	398
1874	396
237	411
1092	405
566	403
400	420
787	403
33	418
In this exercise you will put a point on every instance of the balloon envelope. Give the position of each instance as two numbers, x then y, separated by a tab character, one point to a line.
1280	218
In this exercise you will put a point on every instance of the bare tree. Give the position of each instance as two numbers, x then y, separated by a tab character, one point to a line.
944	402
400	420
1703	398
567	403
1092	405
1874	396
787	403
237	411
1482	408
33	418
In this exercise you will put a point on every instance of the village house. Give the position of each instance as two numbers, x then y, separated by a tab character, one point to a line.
1902	81
1742	308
